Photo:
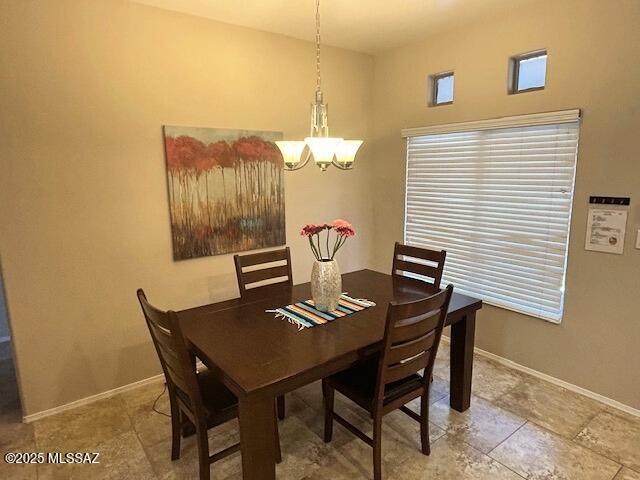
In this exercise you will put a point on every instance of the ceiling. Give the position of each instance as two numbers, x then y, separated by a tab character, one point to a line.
363	25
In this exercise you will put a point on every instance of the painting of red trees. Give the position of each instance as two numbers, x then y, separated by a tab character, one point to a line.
226	190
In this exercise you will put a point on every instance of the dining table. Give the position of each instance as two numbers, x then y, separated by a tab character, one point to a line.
259	356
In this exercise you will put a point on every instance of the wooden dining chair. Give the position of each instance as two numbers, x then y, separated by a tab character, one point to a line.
409	259
196	398
273	274
250	272
392	379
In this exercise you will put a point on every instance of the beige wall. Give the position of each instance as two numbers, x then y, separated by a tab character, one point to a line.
85	88
593	52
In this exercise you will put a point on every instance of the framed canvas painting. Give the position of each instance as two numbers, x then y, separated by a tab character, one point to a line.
226	190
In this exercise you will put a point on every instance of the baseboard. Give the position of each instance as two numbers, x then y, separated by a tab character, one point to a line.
109	393
93	398
556	381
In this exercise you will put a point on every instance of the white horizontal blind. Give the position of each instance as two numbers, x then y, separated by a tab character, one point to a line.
499	202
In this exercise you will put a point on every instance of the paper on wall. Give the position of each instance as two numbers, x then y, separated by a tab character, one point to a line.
605	230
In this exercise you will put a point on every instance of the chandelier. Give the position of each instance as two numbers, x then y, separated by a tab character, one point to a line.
324	149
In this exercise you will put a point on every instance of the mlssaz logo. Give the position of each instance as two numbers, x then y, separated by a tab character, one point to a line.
71	457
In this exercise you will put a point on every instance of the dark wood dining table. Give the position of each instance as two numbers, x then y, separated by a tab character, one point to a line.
259	356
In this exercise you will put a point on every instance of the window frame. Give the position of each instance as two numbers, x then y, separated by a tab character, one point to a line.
514	71
433	88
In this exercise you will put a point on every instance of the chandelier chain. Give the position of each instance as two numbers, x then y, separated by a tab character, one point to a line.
318	45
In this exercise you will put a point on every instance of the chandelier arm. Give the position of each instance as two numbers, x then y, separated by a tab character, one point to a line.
306	156
335	163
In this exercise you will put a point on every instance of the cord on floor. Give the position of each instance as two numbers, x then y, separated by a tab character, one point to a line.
156	402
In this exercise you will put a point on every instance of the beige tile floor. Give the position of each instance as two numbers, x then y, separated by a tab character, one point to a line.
517	427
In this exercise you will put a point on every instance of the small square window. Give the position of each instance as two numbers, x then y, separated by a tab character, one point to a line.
528	72
441	86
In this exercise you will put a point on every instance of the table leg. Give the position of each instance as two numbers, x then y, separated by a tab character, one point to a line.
462	341
257	431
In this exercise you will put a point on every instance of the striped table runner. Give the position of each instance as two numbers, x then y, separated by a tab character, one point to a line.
305	315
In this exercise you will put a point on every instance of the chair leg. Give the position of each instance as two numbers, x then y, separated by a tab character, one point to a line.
277	439
424	424
176	427
328	397
280	403
377	447
203	452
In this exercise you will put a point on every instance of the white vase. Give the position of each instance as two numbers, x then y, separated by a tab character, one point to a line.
326	284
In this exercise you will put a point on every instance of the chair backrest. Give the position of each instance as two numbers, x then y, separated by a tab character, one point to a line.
411	339
428	264
177	363
249	273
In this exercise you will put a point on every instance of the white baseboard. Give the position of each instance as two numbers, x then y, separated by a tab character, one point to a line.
84	401
109	393
556	381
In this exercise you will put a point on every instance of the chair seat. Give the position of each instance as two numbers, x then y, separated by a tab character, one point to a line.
359	382
219	402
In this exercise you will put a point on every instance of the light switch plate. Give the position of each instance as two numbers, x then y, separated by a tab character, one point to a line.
638	240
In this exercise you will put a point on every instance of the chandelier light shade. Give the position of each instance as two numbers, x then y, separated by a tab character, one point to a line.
346	154
324	149
292	154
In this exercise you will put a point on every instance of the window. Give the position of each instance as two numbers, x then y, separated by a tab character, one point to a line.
528	72
497	196
441	87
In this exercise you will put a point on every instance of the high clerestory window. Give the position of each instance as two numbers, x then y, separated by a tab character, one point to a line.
441	89
528	72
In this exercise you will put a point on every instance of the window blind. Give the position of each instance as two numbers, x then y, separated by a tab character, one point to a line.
498	200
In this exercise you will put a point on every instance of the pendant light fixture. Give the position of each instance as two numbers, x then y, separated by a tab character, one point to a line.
324	149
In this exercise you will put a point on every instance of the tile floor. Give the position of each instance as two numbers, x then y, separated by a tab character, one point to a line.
518	427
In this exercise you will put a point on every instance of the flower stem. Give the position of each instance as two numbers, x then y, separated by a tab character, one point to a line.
313	248
319	248
335	246
341	242
328	244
